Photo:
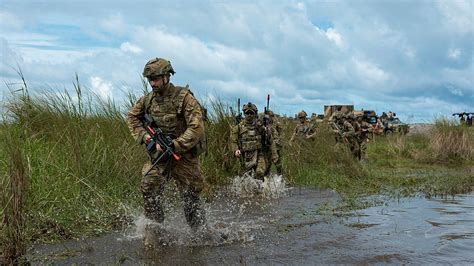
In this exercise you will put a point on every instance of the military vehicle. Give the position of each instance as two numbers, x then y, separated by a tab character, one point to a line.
393	125
368	116
467	120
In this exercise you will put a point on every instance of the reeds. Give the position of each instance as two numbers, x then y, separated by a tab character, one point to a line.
451	142
83	166
13	182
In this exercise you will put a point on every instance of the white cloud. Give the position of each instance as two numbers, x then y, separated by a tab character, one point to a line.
454	53
369	72
10	21
456	92
396	51
101	87
114	24
458	15
409	52
334	36
128	47
211	59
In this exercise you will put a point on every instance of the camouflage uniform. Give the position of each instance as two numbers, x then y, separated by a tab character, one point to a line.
365	133
252	139
344	131
276	130
304	129
351	129
178	114
336	122
357	136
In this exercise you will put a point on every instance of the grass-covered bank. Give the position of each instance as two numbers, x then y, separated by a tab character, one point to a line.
81	167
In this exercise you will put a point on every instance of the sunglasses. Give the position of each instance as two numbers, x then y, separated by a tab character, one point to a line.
153	78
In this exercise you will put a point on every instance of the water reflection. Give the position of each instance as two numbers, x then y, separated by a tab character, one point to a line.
291	229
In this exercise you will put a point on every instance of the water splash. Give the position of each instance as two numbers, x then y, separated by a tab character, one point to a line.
274	187
223	227
230	218
246	186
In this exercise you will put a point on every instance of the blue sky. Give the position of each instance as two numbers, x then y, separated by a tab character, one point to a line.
411	57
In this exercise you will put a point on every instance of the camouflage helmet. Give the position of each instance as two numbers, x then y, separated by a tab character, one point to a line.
157	67
250	107
338	115
270	113
350	116
302	114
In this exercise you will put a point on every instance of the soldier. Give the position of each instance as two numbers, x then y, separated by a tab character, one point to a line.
378	127
178	114
363	135
336	121
250	139
276	130
303	129
351	130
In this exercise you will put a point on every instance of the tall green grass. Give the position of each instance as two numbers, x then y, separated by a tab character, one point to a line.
452	143
448	143
83	168
13	185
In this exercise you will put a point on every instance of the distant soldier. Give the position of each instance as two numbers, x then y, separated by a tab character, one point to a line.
352	134
276	131
363	136
336	122
250	139
304	129
379	128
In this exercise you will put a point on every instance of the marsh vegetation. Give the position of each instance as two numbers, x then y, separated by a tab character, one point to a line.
69	166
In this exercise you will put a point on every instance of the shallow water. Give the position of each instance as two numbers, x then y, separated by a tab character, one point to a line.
287	226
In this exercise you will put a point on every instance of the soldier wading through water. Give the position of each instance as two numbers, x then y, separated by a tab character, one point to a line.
178	114
249	140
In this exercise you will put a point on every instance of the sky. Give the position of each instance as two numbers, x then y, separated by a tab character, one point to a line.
414	58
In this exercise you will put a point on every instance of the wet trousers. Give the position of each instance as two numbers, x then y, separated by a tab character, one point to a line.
254	161
187	174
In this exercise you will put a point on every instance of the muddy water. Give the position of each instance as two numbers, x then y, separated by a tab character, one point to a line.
287	226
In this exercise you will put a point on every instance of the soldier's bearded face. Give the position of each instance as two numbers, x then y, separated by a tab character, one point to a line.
158	83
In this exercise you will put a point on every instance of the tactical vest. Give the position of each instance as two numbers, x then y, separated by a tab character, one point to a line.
167	113
250	137
302	130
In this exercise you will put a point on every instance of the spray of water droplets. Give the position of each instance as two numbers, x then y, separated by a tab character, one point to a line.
227	219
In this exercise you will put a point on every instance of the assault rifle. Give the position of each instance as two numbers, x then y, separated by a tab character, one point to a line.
266	120
339	131
158	137
238	117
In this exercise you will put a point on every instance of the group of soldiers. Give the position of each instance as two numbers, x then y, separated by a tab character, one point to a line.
353	131
349	129
169	122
